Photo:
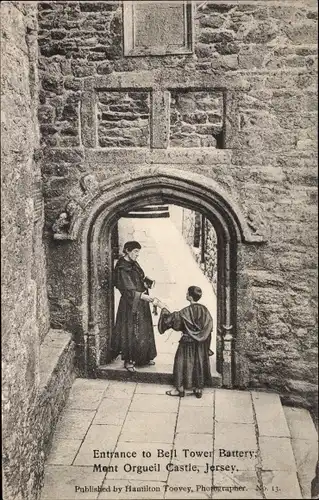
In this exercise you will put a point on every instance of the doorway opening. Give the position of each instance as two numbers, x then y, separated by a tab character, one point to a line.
101	247
179	249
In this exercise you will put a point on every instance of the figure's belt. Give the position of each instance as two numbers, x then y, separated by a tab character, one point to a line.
186	339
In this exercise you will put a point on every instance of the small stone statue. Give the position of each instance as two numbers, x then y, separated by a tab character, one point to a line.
254	223
60	226
89	183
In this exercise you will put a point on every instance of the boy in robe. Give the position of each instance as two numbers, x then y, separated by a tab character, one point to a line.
191	364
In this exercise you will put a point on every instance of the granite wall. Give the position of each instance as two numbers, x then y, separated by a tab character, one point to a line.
196	119
266	51
28	413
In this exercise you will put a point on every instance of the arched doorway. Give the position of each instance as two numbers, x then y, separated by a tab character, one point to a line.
178	249
168	187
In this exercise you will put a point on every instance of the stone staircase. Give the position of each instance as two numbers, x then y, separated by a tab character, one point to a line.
159	373
119	416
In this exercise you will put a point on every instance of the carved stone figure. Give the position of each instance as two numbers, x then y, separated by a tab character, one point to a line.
254	223
60	226
89	183
72	209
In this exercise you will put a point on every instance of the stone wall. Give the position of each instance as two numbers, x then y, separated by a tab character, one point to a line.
205	252
25	313
196	119
123	119
264	53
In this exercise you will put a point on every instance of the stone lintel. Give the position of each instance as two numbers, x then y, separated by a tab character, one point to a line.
196	156
167	79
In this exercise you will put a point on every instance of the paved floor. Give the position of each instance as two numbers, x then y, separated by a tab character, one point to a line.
166	258
229	444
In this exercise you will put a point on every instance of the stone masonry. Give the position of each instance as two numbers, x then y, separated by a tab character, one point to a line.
123	119
31	399
239	109
24	300
269	48
196	119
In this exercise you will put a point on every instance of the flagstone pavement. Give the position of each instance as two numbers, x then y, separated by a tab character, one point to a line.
228	444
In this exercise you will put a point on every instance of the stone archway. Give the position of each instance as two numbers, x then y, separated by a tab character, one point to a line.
94	223
85	227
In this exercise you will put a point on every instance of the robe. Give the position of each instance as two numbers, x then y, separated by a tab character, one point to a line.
133	334
191	364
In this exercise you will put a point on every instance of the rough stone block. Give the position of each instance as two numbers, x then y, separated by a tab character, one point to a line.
203	110
301	33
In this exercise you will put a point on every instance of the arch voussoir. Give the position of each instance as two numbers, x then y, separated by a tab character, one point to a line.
89	201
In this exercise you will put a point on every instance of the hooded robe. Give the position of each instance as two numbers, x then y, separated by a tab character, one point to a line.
191	363
133	334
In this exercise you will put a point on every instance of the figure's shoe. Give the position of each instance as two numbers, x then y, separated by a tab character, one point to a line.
151	363
176	393
129	367
198	393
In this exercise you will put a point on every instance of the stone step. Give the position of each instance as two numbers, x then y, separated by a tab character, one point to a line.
278	467
157	374
304	442
270	415
124	416
288	443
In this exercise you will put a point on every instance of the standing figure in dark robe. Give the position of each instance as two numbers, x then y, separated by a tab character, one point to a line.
191	364
133	335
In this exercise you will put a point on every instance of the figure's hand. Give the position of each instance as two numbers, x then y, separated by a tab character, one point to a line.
146	297
155	301
161	304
